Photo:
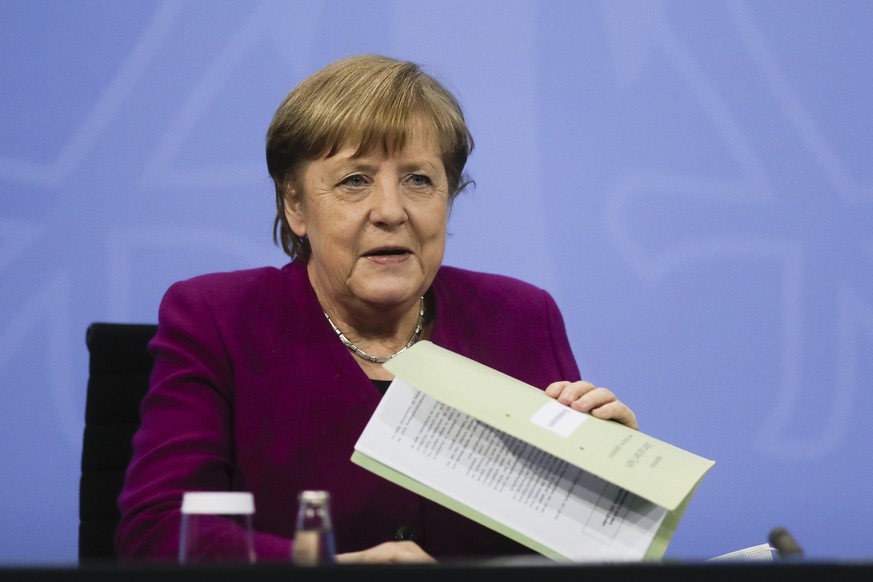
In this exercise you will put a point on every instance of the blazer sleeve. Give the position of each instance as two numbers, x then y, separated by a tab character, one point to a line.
185	441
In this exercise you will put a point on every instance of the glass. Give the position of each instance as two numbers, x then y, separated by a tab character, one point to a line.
207	538
313	536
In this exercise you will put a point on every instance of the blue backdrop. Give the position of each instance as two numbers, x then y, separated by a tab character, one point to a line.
691	180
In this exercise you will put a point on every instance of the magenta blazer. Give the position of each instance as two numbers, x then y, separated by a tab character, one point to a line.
253	391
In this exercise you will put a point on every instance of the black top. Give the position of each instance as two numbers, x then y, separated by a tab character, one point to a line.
382	385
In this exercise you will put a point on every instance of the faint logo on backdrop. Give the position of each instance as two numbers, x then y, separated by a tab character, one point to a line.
50	304
642	32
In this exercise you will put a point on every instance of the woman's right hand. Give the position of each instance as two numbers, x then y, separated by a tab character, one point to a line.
404	552
600	402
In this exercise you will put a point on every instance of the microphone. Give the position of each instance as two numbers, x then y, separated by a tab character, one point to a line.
785	544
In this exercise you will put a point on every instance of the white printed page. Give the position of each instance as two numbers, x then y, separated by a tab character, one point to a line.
764	552
545	499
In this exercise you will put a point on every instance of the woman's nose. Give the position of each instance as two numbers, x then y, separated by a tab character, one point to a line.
387	204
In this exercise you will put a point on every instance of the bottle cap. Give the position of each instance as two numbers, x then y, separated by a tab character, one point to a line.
313	496
218	502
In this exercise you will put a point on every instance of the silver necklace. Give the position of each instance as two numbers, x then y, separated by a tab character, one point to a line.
377	359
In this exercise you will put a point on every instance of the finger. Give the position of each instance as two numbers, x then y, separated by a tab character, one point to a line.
555	388
616	411
586	398
567	392
598	397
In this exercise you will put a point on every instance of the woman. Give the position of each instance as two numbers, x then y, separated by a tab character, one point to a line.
265	378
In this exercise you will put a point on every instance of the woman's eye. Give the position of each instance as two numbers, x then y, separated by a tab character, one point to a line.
419	180
355	181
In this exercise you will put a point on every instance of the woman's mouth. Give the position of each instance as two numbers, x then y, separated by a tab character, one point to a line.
388	255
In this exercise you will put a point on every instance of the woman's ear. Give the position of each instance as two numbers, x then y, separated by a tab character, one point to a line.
294	213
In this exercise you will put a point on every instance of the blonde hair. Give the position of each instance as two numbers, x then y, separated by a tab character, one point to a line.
365	101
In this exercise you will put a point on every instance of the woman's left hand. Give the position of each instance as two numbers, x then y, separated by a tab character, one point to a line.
403	552
599	402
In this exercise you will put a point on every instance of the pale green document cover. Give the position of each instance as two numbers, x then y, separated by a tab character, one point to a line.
566	484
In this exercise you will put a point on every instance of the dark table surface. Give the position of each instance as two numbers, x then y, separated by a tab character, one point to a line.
462	572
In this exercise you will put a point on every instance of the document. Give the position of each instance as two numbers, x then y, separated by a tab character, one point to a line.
570	486
764	552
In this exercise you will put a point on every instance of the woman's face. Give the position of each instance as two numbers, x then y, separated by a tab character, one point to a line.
376	223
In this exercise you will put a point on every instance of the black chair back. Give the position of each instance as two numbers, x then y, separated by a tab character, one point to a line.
118	377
